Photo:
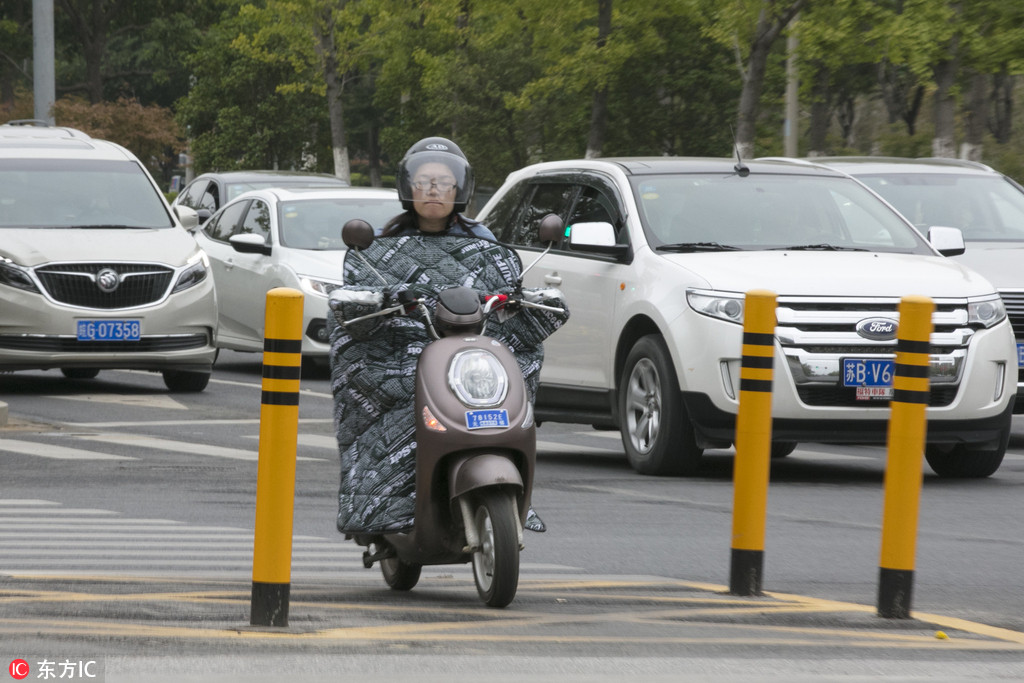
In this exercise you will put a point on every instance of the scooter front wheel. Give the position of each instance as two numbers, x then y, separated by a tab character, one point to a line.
400	576
496	563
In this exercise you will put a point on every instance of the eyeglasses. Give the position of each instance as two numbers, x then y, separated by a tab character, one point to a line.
442	184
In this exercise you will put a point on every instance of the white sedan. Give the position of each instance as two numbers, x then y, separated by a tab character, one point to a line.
279	237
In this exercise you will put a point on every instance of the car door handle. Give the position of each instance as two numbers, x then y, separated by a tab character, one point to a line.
229	264
553	279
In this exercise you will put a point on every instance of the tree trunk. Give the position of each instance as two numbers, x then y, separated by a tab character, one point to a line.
324	30
767	32
944	142
373	151
1001	123
599	104
821	111
976	111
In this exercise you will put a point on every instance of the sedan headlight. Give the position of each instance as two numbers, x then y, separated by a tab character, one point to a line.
312	285
727	307
478	378
193	274
16	276
986	312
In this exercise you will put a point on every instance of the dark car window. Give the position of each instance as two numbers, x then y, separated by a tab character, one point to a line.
547	198
192	194
257	221
222	225
210	199
502	218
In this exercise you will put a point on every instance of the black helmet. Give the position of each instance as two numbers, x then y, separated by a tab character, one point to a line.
438	150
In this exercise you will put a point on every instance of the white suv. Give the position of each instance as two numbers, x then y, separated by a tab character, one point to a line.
659	255
96	271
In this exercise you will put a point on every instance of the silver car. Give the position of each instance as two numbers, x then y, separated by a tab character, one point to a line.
96	270
280	237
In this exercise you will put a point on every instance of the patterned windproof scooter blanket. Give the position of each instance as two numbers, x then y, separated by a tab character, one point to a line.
373	363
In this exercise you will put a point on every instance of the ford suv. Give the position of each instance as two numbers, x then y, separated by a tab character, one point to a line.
96	270
658	256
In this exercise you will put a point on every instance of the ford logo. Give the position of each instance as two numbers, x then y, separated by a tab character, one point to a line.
108	280
877	329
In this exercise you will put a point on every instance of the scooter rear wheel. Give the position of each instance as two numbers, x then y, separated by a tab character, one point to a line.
400	576
496	564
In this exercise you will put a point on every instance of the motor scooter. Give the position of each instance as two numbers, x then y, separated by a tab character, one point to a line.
475	439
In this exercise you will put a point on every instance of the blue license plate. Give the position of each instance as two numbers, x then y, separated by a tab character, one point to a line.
486	419
109	330
867	372
1020	355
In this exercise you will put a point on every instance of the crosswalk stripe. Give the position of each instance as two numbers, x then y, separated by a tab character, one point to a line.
141	441
55	452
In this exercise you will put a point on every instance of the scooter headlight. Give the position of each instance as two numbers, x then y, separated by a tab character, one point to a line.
477	378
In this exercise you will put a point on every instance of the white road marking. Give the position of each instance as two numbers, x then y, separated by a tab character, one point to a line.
55	452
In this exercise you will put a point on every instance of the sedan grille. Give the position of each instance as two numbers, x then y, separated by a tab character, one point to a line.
53	344
106	286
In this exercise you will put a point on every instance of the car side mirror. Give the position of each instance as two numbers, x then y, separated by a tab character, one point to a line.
187	216
947	241
249	243
204	215
596	237
357	234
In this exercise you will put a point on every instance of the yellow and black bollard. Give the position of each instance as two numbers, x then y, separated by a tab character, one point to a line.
753	444
275	479
903	470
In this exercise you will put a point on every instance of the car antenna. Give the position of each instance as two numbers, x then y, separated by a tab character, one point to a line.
741	169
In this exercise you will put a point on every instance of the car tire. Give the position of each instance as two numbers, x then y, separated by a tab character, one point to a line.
782	449
656	431
183	381
80	373
965	461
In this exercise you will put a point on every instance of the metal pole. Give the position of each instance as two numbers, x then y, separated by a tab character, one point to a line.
43	80
790	133
275	479
753	444
903	475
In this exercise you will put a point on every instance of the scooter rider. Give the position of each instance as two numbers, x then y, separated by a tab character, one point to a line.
435	184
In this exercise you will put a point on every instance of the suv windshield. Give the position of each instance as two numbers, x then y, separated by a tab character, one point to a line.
985	208
760	212
70	193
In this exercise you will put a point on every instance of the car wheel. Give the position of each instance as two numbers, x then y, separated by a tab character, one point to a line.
183	381
780	449
656	431
80	373
965	461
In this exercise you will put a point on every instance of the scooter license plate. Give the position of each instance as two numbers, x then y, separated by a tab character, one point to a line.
486	419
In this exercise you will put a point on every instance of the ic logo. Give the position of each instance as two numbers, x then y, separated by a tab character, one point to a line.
877	329
108	280
19	669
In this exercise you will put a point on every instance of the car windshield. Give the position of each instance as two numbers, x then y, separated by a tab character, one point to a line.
70	193
316	223
985	208
696	212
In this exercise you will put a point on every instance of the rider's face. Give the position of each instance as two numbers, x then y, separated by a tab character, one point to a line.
433	195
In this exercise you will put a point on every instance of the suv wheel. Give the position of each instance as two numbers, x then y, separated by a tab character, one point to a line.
965	461
656	431
184	381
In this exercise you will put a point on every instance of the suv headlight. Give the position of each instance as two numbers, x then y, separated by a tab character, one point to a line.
477	378
195	273
319	287
16	276
986	312
728	307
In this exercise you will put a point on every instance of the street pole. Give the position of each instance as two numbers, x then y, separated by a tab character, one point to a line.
43	80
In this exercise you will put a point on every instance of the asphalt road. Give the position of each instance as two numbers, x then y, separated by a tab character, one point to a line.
126	519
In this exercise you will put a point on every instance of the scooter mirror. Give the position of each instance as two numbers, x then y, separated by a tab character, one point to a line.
550	229
357	234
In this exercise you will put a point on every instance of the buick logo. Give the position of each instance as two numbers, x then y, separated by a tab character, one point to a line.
877	329
108	280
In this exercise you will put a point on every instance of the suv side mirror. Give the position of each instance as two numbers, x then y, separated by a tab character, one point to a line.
248	243
947	241
597	237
